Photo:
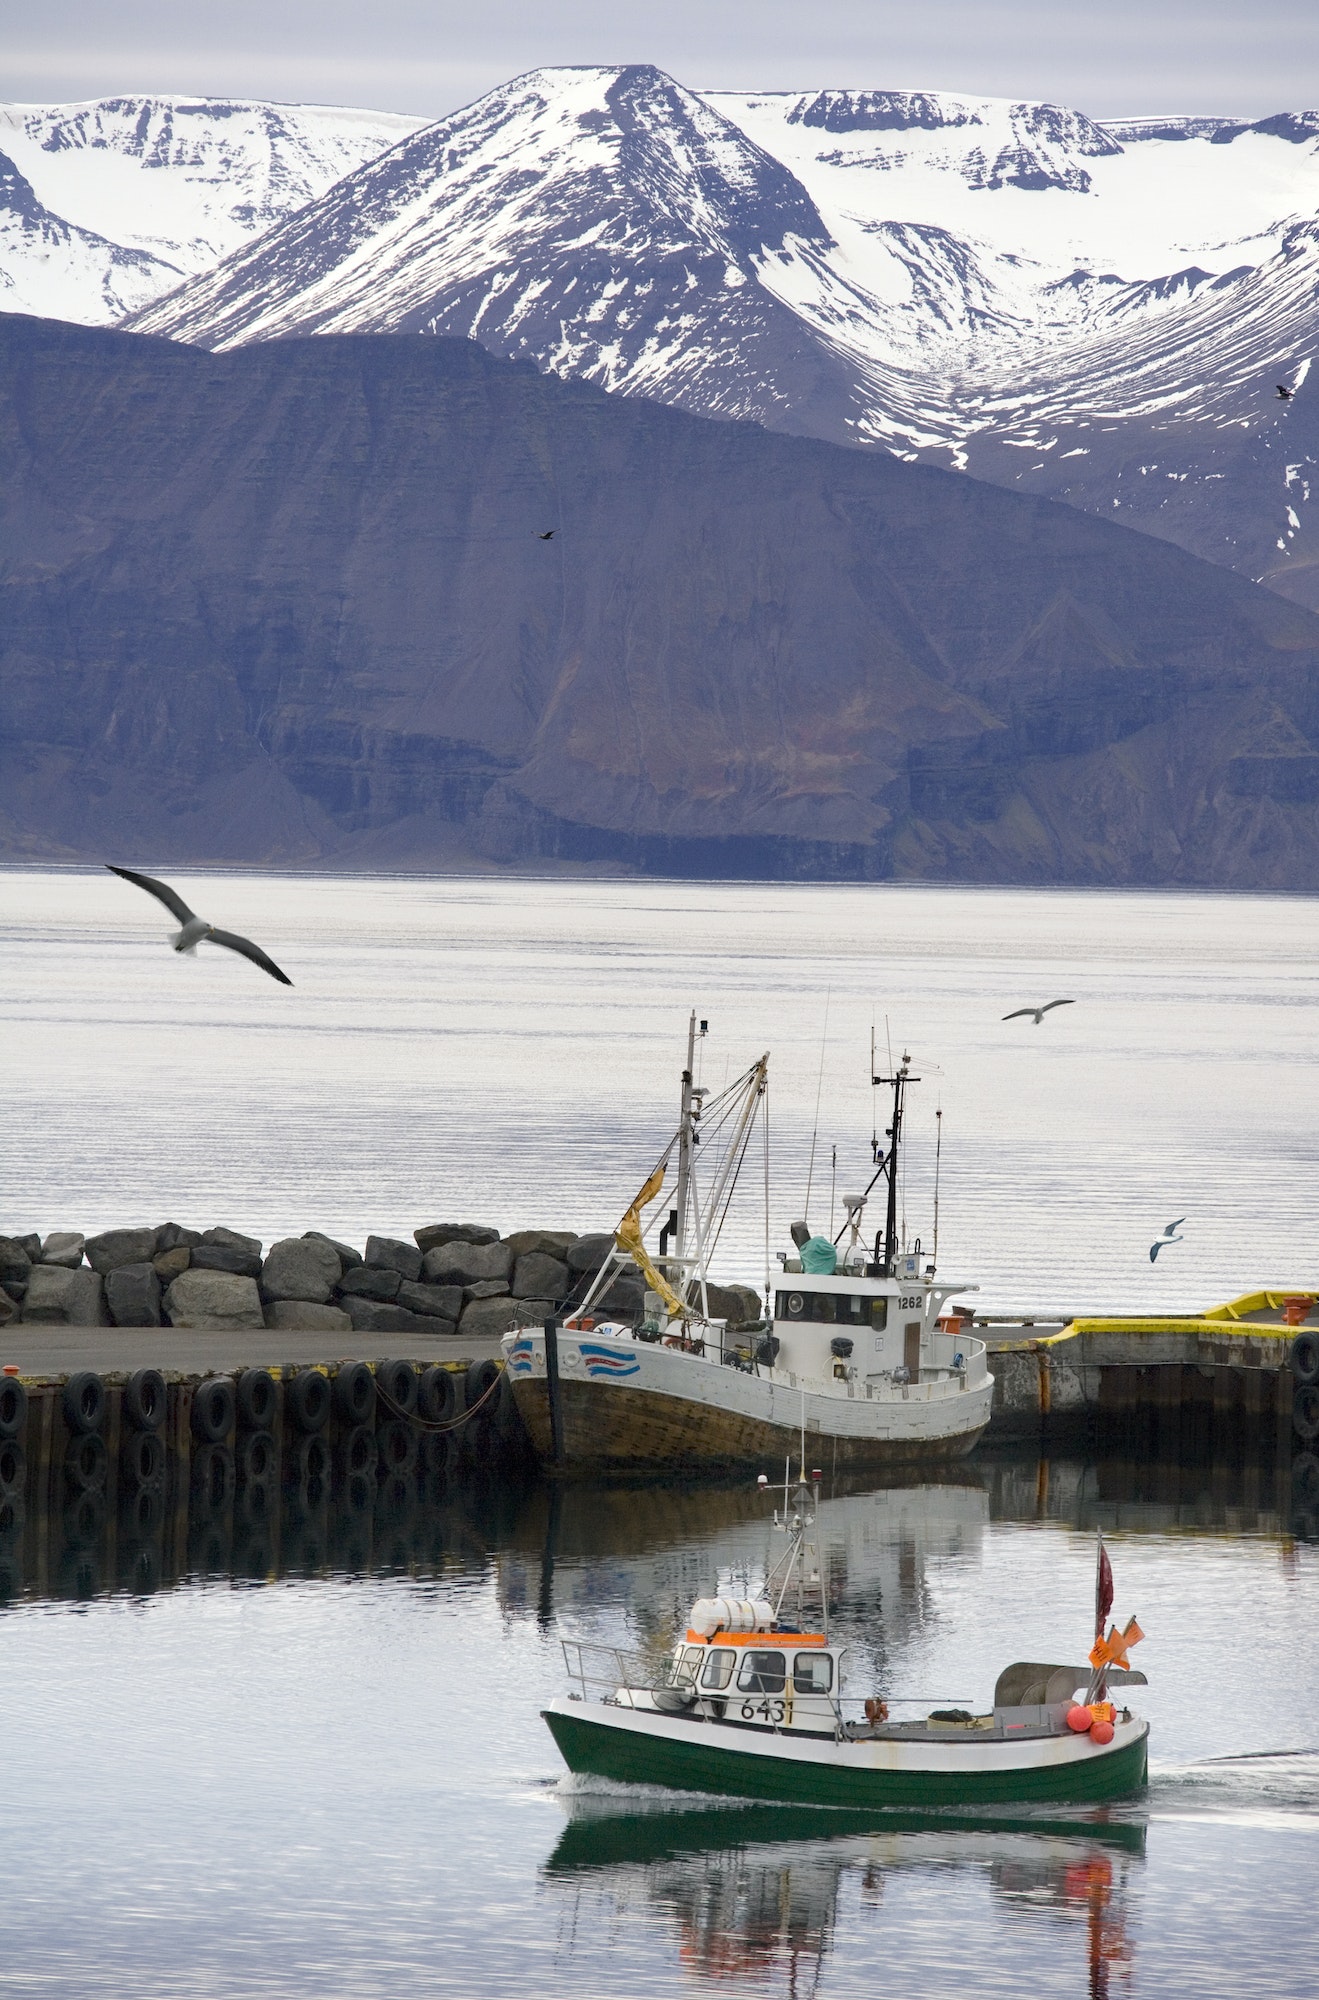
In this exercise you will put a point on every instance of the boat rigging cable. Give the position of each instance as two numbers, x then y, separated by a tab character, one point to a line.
819	1086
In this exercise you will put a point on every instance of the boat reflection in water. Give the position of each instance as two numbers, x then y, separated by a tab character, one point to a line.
755	1895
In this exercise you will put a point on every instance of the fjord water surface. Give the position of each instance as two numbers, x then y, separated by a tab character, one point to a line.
338	1783
508	1051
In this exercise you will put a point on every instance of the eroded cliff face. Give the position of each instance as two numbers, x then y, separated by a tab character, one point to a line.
291	605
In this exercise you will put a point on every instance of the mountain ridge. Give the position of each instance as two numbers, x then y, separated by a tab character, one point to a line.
290	604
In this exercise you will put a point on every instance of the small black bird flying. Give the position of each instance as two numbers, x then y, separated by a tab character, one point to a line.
196	929
1285	393
548	536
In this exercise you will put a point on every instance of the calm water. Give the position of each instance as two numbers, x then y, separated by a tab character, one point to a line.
338	1784
508	1051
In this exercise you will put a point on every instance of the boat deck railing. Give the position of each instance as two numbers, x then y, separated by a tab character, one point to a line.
594	1666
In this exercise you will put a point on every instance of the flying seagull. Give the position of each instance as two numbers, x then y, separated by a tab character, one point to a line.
1037	1013
195	929
1166	1238
548	536
1285	393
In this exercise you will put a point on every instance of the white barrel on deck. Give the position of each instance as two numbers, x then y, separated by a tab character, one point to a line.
730	1614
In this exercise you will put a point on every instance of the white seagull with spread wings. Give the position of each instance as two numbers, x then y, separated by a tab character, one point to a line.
195	929
1166	1238
1037	1014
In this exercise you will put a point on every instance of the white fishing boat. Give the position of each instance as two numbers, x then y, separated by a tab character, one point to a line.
859	1348
751	1704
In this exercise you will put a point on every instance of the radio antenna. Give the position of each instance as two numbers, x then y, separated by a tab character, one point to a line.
938	1149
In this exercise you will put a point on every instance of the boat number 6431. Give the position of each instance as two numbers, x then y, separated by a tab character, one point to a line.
769	1711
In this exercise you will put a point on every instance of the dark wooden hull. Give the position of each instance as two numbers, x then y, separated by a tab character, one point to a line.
616	1426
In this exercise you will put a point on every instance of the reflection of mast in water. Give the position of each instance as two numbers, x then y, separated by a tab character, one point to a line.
755	1909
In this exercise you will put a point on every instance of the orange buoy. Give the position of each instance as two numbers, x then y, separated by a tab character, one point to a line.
1101	1732
1079	1719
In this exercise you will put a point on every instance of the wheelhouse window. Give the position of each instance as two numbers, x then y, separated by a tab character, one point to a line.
689	1666
813	1673
833	1308
718	1668
762	1673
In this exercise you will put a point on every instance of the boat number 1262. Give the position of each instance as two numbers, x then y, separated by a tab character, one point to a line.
905	1305
767	1711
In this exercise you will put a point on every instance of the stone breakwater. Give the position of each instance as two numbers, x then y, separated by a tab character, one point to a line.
458	1278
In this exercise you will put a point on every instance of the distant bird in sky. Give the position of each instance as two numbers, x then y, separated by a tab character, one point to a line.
195	929
1285	393
548	536
1167	1238
1037	1014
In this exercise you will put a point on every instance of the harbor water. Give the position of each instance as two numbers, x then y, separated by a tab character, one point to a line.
329	1777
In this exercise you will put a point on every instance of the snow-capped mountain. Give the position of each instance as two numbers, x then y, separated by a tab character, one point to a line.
104	206
1098	312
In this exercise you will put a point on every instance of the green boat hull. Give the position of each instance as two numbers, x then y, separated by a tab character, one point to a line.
699	1765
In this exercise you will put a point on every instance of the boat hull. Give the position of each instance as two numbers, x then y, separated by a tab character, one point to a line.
670	1411
639	1749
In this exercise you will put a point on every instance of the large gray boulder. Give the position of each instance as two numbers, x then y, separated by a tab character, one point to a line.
114	1247
214	1300
387	1253
173	1236
301	1267
63	1246
370	1316
434	1301
486	1288
231	1239
531	1312
550	1242
364	1283
343	1251
588	1253
132	1293
735	1303
57	1296
15	1266
226	1257
536	1276
8	1307
458	1263
302	1316
487	1319
167	1264
432	1234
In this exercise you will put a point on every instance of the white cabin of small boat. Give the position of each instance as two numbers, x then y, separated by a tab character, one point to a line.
872	1331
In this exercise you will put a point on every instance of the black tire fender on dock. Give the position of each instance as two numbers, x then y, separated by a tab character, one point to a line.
213	1409
146	1399
13	1406
1305	1412
1305	1356
358	1451
85	1464
396	1381
142	1458
13	1466
83	1402
1305	1478
308	1398
396	1442
258	1399
145	1512
311	1462
257	1457
355	1393
479	1380
437	1396
213	1477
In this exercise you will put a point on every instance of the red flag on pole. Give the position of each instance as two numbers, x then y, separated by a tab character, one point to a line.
1103	1588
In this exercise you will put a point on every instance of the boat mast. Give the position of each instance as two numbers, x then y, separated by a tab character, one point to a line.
689	1102
889	1165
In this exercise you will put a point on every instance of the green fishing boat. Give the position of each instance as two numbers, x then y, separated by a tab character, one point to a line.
751	1705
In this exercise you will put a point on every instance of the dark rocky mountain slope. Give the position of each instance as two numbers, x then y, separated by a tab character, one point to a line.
289	605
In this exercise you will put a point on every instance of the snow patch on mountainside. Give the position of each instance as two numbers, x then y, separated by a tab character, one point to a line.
142	192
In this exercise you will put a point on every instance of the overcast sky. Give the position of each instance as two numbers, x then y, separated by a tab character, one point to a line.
429	56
